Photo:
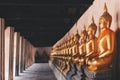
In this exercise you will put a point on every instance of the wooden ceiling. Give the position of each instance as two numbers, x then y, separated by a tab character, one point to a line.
42	22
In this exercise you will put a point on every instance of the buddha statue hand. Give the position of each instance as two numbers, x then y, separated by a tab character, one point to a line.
82	55
95	56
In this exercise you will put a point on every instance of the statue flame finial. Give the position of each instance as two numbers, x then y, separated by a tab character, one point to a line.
105	7
92	19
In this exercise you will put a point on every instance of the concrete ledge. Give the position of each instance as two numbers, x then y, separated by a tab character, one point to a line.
56	72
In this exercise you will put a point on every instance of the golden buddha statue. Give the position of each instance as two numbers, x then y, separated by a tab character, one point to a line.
91	45
71	47
82	46
106	44
76	47
76	42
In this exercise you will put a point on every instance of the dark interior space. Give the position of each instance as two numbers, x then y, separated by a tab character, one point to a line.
41	57
42	22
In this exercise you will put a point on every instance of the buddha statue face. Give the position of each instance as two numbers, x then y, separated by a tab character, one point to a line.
102	23
76	37
83	36
90	31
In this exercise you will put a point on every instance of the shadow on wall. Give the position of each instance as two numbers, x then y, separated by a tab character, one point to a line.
116	67
41	57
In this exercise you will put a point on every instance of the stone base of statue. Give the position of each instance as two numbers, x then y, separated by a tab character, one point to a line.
71	72
80	73
56	72
98	75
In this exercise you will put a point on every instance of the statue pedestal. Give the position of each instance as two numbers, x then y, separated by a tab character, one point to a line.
80	73
99	75
57	73
71	72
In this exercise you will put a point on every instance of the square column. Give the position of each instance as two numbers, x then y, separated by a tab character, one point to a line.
2	47
20	52
9	52
16	53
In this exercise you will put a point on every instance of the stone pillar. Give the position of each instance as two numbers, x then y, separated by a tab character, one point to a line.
24	49
28	58
22	55
11	56
30	54
20	52
25	53
9	41
33	54
2	63
16	53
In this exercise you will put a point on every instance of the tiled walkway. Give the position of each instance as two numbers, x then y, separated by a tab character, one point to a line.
38	71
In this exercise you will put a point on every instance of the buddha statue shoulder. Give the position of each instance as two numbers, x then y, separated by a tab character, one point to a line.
106	44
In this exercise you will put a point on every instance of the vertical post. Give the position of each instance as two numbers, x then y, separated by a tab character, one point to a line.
26	59
25	52
21	60
9	53
20	52
22	55
2	55
16	53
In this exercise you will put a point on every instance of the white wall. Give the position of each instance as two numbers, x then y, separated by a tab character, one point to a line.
96	10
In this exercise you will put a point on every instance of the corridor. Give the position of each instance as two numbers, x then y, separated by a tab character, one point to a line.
38	71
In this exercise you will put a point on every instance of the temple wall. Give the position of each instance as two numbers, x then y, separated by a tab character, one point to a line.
96	10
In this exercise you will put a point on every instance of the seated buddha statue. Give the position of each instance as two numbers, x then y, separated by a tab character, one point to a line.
91	49
67	48
82	46
76	47
106	44
71	48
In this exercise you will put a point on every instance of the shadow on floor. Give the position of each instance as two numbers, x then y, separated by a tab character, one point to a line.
38	71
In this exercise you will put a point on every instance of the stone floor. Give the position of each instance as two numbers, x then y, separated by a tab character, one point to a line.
38	71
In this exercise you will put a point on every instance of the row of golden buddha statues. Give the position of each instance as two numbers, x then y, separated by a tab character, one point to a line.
87	49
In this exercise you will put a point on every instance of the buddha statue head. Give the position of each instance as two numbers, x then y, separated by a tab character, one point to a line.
105	19
76	37
73	40
69	42
83	36
92	28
